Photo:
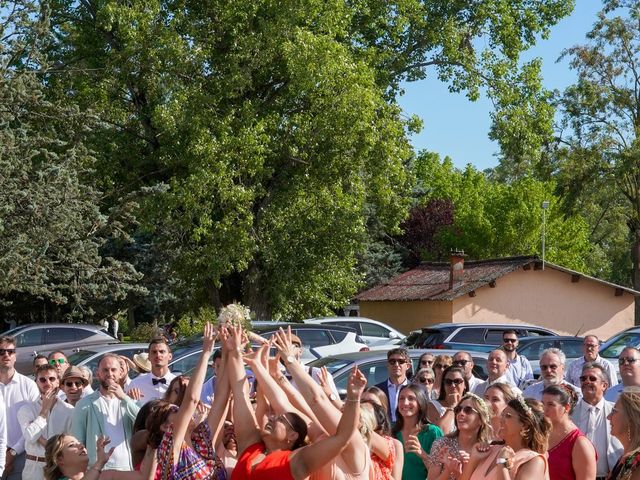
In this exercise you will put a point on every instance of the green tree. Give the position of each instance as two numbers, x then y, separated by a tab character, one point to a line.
495	219
51	228
599	153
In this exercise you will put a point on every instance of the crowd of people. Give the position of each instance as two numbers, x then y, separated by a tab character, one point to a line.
288	422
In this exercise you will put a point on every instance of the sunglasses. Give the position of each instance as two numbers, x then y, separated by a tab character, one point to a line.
621	360
7	351
548	367
509	340
47	379
453	381
426	362
591	378
282	418
460	363
59	361
467	410
71	384
440	365
426	380
396	361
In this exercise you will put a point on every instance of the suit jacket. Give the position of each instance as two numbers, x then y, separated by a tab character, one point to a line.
87	422
614	447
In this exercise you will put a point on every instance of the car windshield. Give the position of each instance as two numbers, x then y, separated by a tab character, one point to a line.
76	358
13	331
615	346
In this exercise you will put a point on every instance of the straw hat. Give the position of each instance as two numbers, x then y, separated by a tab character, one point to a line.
74	372
141	360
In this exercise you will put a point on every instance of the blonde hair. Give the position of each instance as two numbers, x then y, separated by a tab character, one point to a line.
52	452
630	403
485	432
367	424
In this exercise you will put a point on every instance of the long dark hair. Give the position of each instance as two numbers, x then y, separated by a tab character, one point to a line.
299	426
156	418
451	369
423	401
383	423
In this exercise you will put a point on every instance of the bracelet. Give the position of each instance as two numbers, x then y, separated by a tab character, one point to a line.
352	400
97	469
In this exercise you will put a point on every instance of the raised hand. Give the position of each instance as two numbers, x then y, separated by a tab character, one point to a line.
102	456
356	385
209	338
412	445
135	393
48	402
282	341
453	465
116	390
481	450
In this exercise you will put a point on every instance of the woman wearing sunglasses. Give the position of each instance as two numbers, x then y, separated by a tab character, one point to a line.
452	387
425	378
473	425
414	431
439	364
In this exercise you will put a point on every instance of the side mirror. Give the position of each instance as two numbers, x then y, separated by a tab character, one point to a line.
394	335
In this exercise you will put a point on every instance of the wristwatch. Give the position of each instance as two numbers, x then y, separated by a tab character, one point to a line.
504	461
12	452
333	397
290	359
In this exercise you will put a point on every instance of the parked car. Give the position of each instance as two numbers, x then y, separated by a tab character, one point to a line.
373	365
532	347
373	332
468	336
317	340
90	357
612	348
43	338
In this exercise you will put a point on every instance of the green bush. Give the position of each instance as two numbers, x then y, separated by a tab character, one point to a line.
191	324
144	333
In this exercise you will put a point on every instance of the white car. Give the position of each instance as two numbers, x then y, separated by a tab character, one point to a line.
373	332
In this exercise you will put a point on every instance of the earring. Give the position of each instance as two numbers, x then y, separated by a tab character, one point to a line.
524	433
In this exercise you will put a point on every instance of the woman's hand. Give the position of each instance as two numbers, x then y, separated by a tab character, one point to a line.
282	341
231	339
412	445
209	338
356	385
481	450
453	465
453	399
102	456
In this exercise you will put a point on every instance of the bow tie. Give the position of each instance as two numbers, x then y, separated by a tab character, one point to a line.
159	380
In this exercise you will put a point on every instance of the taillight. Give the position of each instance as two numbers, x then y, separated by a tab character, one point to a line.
364	349
439	346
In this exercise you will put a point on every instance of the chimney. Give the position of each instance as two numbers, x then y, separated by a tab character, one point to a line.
457	268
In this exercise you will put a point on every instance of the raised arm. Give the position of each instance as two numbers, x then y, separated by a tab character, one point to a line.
246	430
311	458
218	410
192	394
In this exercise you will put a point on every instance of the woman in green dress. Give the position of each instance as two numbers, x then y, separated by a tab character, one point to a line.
414	431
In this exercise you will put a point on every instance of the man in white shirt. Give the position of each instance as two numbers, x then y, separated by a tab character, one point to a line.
552	363
629	364
590	415
41	420
398	363
154	385
15	390
3	436
464	360
109	412
519	371
497	366
59	360
590	349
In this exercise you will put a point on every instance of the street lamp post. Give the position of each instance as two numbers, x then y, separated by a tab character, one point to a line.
545	205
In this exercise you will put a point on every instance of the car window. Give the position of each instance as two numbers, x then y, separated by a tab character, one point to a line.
426	338
29	338
469	335
532	332
375	372
350	324
332	364
373	330
571	348
58	335
80	356
82	333
533	350
185	364
338	336
613	349
312	337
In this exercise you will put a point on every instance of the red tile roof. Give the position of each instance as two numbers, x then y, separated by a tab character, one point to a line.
430	280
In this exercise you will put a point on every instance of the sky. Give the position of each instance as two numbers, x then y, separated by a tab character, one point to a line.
459	128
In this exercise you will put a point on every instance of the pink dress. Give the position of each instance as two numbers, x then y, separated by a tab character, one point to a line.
488	470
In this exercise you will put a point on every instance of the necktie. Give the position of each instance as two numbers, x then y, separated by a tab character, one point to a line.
591	424
159	380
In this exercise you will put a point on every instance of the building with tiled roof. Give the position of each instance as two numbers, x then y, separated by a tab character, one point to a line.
502	290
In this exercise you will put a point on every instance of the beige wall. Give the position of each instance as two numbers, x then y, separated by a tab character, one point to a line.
546	298
549	299
407	316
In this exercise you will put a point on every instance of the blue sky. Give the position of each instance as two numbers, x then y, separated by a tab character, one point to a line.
456	127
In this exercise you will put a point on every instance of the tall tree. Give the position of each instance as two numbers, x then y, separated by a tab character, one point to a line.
600	149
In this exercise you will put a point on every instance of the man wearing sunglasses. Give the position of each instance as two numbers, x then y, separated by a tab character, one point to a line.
15	389
74	385
629	364
59	360
552	363
519	371
591	353
398	363
590	416
41	420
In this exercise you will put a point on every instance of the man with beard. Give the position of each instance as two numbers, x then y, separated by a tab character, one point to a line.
552	363
41	420
590	416
15	390
497	367
109	412
519	371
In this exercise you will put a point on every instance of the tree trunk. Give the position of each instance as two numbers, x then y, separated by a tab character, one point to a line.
254	293
635	259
